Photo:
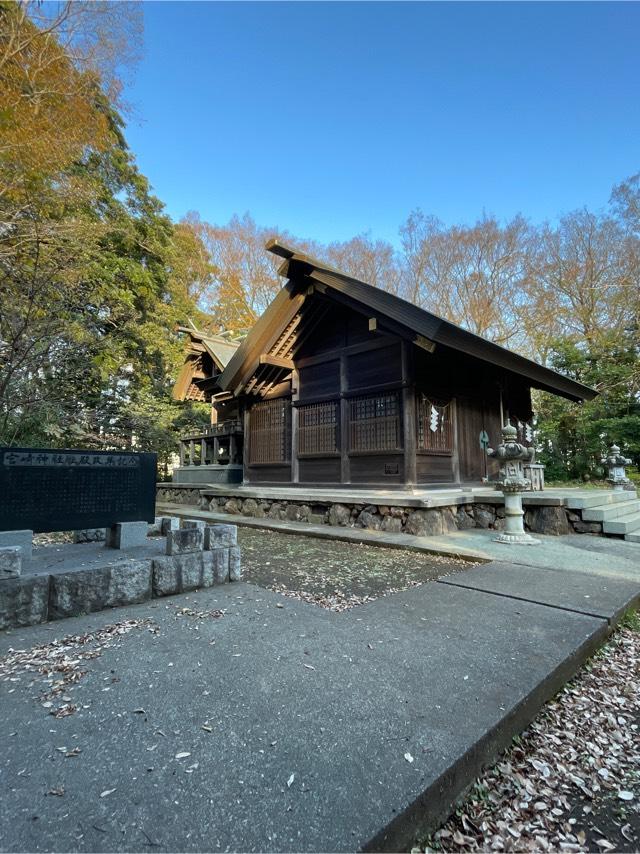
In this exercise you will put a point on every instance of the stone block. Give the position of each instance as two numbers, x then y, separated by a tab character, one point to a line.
184	541
24	601
369	520
392	524
231	506
216	566
339	515
169	523
10	561
126	535
24	539
220	536
547	520
235	570
581	527
180	573
425	523
194	523
155	528
464	520
317	519
250	507
484	515
165	578
124	583
90	535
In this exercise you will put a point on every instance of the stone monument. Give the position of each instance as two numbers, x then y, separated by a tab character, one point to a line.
616	474
512	457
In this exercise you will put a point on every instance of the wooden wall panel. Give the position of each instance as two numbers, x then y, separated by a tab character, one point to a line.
434	469
319	470
377	469
375	367
269	474
319	380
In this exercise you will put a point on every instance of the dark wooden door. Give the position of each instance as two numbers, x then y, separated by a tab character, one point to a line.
474	417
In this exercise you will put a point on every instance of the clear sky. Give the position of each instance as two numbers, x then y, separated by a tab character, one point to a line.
333	119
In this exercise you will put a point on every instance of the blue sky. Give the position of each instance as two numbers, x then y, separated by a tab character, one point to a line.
333	119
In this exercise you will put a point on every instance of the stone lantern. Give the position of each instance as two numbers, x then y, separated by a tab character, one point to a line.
512	457
615	463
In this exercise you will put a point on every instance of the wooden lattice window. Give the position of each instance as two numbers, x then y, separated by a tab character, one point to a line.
374	423
270	432
434	423
318	428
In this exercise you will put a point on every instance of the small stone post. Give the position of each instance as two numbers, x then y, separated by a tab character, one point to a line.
512	455
615	463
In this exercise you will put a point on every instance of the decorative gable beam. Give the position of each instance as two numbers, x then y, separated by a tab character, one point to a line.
276	361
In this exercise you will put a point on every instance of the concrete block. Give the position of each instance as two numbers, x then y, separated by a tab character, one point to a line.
126	535
169	523
88	590
165	580
90	535
154	528
10	561
180	573
220	536
194	523
24	539
24	601
235	572
185	540
216	567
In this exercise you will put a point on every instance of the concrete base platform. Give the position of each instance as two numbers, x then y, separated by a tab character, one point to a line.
64	581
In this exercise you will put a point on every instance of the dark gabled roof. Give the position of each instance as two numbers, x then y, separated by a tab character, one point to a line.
188	385
414	321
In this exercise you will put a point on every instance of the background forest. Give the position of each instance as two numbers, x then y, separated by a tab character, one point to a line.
95	278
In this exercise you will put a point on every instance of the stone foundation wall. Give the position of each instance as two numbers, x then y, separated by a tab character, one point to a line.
544	519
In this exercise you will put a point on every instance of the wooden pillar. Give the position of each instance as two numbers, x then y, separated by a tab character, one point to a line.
216	450
203	452
181	450
232	448
455	459
192	452
247	448
345	467
408	418
295	468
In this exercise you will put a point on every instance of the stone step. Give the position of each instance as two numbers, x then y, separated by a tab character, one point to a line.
626	525
633	537
607	512
598	497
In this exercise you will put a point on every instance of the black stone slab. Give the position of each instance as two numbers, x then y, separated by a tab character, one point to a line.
46	489
582	592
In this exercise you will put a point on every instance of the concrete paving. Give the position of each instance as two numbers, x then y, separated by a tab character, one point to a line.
323	731
329	732
582	592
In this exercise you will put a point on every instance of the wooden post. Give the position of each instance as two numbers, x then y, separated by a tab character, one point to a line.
232	448
455	458
295	466
192	452
216	450
203	452
247	448
182	450
345	468
409	420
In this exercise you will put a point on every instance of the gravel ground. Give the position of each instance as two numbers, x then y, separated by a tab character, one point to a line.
335	575
571	781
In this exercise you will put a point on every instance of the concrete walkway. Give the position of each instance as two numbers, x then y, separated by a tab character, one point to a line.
281	726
